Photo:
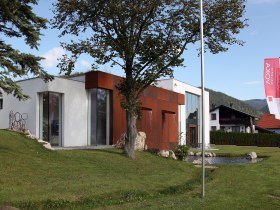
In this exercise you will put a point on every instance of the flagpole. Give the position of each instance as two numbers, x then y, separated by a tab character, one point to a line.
202	98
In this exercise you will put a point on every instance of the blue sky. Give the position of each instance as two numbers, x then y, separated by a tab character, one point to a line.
237	72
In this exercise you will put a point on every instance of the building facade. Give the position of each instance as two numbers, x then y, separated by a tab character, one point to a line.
86	110
190	112
228	119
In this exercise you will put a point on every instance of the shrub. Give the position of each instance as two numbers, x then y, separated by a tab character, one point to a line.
245	139
181	151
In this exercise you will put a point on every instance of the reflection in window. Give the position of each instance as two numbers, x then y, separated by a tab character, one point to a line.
100	117
1	100
192	118
50	112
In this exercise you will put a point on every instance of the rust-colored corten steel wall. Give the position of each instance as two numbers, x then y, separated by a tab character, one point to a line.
159	111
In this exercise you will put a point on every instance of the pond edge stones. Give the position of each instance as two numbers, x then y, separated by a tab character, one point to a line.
252	156
206	154
167	153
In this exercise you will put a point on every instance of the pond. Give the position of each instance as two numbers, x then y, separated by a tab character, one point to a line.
223	160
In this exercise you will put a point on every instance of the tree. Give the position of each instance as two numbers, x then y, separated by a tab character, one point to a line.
17	20
145	38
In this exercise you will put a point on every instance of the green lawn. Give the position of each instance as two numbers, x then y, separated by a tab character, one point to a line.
32	177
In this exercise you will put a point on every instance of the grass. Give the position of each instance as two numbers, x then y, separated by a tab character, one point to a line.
32	177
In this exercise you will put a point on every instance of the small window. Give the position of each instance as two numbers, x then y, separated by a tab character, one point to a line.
213	128
213	116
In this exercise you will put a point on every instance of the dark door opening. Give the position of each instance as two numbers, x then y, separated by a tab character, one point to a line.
193	136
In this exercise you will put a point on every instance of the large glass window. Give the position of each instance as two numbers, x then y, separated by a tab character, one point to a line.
100	107
192	118
50	117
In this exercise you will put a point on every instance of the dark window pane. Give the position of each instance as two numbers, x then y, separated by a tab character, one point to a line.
51	118
1	103
45	120
93	117
54	118
100	116
213	116
192	118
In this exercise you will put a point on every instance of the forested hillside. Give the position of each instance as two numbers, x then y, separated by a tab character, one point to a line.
258	104
219	98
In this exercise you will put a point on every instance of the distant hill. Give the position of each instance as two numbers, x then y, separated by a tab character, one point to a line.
258	104
265	110
219	98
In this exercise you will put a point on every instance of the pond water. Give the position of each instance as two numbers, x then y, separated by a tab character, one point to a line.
223	160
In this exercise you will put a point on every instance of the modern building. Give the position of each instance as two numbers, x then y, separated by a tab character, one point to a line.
190	112
228	119
85	110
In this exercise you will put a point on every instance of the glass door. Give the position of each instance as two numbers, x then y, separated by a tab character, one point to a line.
100	117
193	136
50	117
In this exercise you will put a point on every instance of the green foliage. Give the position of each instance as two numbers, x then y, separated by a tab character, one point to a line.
245	139
146	39
80	177
181	151
219	98
17	20
258	104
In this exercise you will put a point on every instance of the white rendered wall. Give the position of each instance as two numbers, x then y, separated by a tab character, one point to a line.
10	103
74	111
181	87
74	108
215	122
80	78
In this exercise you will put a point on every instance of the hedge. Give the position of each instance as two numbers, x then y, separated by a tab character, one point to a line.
245	139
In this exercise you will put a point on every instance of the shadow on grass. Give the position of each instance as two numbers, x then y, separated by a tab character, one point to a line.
110	151
114	198
188	186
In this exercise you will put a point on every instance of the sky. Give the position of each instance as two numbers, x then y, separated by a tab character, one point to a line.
237	72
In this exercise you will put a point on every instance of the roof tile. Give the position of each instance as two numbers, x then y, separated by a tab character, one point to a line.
269	121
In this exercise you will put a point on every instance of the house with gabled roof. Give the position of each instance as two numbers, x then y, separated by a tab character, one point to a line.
229	119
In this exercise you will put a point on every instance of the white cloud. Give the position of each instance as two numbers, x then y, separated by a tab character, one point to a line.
85	64
264	1
256	82
52	55
253	33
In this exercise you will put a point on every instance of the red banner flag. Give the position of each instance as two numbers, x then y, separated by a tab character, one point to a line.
272	86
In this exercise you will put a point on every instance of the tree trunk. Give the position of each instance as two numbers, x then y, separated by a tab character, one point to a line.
131	134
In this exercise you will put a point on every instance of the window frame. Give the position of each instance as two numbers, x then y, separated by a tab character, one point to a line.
212	116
